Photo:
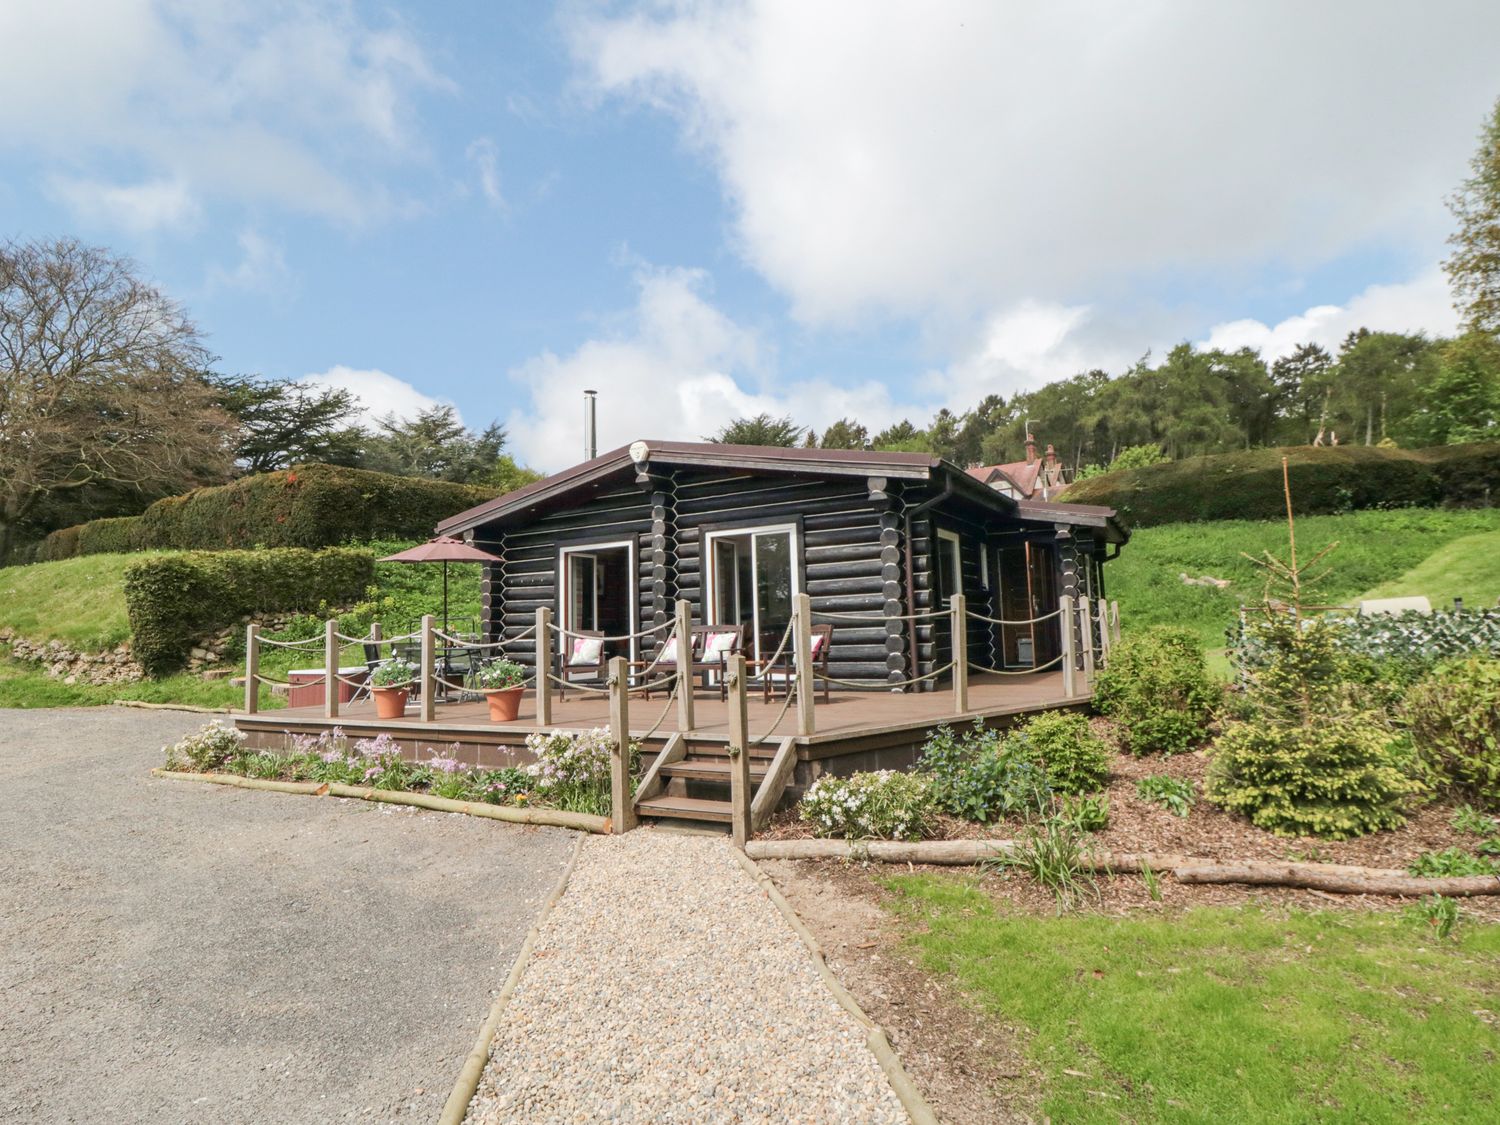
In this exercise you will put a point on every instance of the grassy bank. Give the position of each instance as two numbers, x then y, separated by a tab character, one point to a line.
27	685
1221	1014
80	602
1377	551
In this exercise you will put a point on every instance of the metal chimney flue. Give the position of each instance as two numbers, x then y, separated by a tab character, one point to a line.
590	425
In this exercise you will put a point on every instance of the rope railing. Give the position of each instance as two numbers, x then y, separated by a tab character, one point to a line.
975	615
888	685
1016	671
503	642
307	642
563	631
786	705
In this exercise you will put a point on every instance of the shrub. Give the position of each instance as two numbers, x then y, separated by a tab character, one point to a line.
173	600
1075	759
970	776
1175	794
108	536
209	748
1471	822
309	506
1055	853
1452	862
1454	717
1158	689
1339	777
1248	485
885	805
1438	911
572	768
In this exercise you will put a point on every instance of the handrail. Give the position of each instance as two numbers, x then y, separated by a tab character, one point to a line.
878	617
306	642
1017	671
562	631
977	616
886	685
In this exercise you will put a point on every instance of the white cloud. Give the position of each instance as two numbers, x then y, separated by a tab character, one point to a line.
486	160
676	368
1420	305
377	392
262	266
138	208
303	103
956	157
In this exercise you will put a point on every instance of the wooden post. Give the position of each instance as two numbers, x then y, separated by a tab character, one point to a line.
330	669
1086	638
958	627
740	794
543	635
802	647
1114	620
428	672
1069	659
683	631
1104	637
622	808
252	668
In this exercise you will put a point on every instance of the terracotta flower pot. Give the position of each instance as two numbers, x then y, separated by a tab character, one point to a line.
505	703
390	702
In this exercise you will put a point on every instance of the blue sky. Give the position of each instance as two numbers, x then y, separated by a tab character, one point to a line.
706	210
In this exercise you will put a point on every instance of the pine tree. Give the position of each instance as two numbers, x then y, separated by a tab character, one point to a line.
1474	266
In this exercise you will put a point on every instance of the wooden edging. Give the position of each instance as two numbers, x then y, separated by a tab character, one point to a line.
457	1105
906	1091
191	707
1328	877
553	818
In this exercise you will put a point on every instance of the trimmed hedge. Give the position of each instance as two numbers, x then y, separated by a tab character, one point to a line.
175	600
309	506
1248	485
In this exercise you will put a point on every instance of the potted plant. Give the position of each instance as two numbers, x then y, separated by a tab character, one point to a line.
501	681
390	685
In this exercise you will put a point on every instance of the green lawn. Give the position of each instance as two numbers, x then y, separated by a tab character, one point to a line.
1375	548
1229	1015
1467	568
77	601
27	685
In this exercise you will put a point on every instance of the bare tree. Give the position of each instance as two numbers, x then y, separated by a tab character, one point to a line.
100	382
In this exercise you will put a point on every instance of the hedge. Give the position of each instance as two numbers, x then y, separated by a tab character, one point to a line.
1248	485
175	600
309	506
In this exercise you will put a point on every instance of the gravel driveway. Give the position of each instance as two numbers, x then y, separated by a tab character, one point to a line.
172	952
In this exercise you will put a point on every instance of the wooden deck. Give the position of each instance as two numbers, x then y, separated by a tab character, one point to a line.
850	723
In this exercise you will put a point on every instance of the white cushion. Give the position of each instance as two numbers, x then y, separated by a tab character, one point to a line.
669	651
719	646
586	650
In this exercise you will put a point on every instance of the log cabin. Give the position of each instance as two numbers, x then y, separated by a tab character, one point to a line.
610	544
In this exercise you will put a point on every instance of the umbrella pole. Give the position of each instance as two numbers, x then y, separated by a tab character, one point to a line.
445	595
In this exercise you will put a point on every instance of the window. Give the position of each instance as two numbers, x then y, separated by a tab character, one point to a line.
949	566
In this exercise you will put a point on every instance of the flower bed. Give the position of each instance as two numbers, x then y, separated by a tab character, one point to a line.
571	772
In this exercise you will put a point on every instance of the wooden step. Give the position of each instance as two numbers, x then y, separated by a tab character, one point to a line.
721	750
711	769
686	808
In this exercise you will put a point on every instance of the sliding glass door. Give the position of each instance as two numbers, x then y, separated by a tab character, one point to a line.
752	580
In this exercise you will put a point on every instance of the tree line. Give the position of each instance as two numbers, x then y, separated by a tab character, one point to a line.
1376	388
109	401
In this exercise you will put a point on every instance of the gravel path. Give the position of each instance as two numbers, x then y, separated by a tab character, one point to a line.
666	987
172	952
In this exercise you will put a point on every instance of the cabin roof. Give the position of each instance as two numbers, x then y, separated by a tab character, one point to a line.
823	462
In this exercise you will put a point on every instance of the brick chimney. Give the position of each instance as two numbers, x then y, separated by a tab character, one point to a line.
1030	449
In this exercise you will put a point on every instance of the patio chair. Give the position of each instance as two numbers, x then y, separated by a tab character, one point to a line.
666	660
782	673
373	660
583	659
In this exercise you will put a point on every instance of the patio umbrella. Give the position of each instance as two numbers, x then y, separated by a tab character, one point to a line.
444	549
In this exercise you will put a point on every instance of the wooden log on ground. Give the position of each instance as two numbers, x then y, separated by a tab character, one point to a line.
1349	881
1334	878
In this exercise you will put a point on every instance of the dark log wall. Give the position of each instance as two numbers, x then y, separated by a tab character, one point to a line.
854	559
527	579
848	544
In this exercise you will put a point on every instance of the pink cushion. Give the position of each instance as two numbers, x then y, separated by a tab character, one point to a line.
817	644
586	650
